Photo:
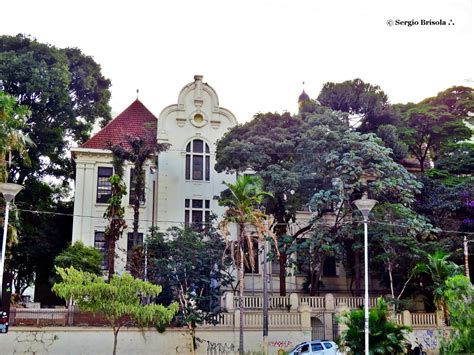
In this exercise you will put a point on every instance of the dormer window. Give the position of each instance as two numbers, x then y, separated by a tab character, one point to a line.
198	161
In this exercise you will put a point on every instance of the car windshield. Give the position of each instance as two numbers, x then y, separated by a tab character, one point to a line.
296	347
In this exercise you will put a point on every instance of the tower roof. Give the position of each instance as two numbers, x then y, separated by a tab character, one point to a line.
303	97
135	121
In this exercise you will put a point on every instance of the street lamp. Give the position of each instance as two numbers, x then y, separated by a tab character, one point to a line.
365	205
9	191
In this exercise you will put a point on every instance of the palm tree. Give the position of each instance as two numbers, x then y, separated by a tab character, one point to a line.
439	269
243	201
12	138
386	337
138	150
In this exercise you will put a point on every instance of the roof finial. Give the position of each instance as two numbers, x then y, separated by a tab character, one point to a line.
137	93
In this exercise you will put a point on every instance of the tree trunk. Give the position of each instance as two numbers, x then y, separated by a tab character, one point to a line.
241	301
111	253
283	259
357	273
116	330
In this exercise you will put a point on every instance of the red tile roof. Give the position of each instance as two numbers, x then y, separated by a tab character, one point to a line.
135	121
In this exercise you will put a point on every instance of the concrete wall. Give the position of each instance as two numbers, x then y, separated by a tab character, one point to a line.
87	340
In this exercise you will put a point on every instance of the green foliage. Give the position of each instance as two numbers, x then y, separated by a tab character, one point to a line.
459	295
12	122
66	93
361	99
115	212
245	197
121	297
435	122
315	161
137	150
398	244
457	158
385	336
80	257
389	135
438	269
189	263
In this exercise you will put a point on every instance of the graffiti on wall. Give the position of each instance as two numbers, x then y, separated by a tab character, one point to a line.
280	343
428	338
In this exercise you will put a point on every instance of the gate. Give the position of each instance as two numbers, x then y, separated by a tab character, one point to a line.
317	326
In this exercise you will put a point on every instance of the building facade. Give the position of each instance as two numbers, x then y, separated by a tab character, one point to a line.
181	185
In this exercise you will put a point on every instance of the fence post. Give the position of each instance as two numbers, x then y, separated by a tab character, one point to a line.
406	318
294	301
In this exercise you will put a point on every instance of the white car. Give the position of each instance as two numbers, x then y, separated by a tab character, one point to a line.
316	347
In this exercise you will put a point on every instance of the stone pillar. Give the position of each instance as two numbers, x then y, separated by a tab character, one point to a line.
229	301
305	312
440	319
294	301
406	318
330	302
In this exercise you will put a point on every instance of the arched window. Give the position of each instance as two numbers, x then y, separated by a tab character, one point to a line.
198	160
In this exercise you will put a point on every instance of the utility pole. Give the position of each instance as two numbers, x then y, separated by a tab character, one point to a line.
265	300
466	258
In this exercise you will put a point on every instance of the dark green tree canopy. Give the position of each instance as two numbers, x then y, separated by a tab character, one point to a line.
80	257
65	91
361	100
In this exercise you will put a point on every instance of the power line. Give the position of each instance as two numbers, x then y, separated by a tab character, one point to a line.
204	223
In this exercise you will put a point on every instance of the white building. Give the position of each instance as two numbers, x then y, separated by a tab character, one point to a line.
181	187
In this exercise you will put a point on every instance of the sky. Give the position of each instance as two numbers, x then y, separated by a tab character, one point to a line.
256	54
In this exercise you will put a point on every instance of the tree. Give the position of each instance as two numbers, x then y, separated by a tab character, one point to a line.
457	158
115	212
438	269
137	150
385	336
398	244
459	295
366	104
80	257
12	120
12	138
189	263
242	202
435	122
312	161
119	301
66	93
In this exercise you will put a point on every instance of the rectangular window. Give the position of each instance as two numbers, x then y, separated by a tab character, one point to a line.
101	244
133	182
208	167
188	167
198	146
197	167
276	265
131	242
329	267
104	187
196	212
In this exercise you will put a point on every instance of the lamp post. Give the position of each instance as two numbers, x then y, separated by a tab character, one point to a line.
365	205
9	191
